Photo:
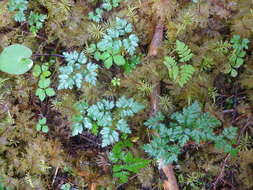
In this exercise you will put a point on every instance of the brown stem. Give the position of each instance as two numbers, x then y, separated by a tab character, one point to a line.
159	28
170	183
157	39
46	54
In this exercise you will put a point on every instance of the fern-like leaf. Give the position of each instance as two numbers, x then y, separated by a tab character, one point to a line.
183	51
186	72
173	69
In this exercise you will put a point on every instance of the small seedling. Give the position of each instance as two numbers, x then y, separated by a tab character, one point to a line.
35	21
20	6
44	89
41	126
115	81
124	162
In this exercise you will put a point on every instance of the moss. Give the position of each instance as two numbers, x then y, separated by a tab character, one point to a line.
29	159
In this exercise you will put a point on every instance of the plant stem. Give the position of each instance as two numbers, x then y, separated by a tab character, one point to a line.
46	54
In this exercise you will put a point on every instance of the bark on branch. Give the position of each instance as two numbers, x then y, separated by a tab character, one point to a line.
159	28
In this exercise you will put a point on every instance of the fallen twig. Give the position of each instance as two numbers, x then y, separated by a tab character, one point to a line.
55	174
159	28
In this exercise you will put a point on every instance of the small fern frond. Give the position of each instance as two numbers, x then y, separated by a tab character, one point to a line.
186	72
183	51
168	61
222	47
171	64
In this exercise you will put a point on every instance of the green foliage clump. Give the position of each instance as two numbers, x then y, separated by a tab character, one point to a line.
116	41
183	51
21	6
109	116
124	162
97	15
235	51
237	55
77	71
131	63
35	21
180	74
110	4
15	59
44	74
188	125
107	5
41	125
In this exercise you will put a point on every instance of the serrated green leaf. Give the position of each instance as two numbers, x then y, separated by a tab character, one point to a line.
77	128
183	51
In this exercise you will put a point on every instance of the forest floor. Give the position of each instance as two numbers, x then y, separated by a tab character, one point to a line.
126	94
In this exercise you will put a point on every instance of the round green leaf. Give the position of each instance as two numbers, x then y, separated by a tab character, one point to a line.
15	59
119	60
43	121
45	129
50	92
233	73
38	127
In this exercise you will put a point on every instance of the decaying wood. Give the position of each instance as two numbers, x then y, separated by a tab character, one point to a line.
159	28
170	183
157	39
